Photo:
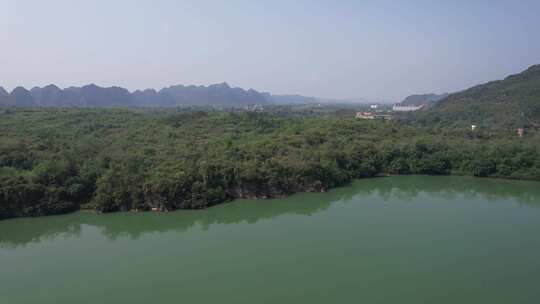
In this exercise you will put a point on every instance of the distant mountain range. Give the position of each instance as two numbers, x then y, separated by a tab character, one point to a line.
423	99
216	95
514	101
221	95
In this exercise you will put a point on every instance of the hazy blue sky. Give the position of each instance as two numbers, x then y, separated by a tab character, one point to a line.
341	49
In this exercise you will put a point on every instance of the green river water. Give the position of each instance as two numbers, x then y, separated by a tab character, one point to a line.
413	239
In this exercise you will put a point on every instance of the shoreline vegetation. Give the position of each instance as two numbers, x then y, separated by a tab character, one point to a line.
55	161
401	188
494	178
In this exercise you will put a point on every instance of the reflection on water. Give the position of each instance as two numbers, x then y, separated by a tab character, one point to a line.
407	188
21	231
393	189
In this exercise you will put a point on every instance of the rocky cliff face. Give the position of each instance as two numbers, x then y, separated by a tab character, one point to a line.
47	96
21	97
155	200
4	97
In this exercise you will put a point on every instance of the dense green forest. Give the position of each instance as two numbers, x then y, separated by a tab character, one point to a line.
60	160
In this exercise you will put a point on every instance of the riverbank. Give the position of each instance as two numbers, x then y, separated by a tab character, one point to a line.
272	196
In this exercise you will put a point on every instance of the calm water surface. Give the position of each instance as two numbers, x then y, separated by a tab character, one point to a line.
387	240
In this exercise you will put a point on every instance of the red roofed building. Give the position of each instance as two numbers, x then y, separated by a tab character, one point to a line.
365	115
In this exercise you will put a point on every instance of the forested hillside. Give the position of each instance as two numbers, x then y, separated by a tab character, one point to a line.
60	160
422	99
505	104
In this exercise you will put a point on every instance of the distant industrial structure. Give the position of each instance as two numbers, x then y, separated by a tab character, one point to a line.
401	108
254	108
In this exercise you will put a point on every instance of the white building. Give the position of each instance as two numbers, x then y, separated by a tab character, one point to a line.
400	108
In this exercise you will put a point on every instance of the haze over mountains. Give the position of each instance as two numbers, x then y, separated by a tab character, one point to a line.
95	96
216	95
516	98
423	99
